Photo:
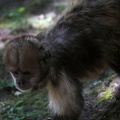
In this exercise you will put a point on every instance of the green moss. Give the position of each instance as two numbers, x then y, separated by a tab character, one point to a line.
106	96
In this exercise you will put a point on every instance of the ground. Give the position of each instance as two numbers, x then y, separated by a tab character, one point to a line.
102	99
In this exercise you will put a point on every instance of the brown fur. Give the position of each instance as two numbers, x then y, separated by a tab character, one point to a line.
83	42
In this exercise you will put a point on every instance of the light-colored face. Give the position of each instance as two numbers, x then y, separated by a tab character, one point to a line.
23	64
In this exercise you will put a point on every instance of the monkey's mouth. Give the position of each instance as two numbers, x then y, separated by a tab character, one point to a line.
24	90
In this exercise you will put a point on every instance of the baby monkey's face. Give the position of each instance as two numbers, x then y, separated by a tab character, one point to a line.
21	60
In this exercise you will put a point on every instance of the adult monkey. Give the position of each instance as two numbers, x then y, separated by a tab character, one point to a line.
84	41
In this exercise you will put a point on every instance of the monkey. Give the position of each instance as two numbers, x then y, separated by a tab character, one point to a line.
83	42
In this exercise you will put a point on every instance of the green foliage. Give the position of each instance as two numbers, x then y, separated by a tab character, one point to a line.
27	106
97	83
92	91
16	13
21	10
111	77
60	8
4	84
105	96
15	112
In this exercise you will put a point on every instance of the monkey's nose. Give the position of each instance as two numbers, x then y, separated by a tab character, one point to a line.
21	83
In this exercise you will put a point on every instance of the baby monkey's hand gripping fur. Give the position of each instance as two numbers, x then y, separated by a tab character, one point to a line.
84	41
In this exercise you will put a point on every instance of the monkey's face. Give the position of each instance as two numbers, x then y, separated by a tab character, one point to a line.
26	74
21	60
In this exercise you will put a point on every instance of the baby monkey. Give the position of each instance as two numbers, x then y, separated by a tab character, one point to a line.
82	43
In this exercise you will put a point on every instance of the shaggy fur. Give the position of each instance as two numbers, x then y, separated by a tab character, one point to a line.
83	42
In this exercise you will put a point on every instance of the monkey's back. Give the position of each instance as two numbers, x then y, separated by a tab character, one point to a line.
86	38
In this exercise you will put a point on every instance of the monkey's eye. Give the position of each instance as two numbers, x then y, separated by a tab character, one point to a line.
26	73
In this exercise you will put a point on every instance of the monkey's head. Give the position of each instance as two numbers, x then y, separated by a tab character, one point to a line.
25	60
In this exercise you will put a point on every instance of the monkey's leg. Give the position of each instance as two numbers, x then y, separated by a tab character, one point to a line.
65	98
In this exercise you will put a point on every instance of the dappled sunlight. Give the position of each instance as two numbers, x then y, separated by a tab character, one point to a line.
43	21
19	21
